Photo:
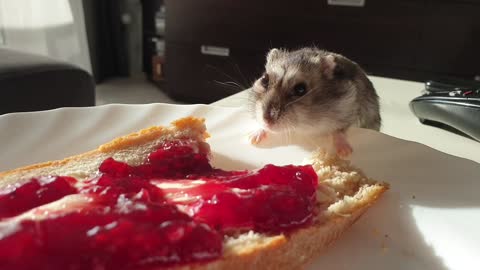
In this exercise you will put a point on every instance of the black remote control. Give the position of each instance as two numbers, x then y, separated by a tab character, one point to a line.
454	105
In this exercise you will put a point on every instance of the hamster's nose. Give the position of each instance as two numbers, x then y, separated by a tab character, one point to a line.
271	114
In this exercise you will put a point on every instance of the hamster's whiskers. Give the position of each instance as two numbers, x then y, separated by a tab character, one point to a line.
229	84
241	74
226	75
288	130
290	133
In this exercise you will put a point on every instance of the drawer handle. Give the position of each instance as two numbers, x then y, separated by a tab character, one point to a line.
214	50
351	3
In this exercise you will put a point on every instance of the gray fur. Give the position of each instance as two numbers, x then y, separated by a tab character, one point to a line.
336	98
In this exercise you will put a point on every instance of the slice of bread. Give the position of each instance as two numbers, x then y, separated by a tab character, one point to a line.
344	194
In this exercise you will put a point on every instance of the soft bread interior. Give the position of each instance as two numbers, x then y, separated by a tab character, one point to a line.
342	186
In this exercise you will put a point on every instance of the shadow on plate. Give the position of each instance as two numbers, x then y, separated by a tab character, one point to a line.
386	237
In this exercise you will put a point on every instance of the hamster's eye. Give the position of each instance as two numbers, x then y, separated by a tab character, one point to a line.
299	89
265	80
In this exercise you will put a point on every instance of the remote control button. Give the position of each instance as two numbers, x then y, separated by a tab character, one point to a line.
467	93
455	93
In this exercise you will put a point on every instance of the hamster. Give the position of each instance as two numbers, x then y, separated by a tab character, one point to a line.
313	92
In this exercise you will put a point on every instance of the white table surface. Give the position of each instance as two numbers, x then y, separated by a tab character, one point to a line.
397	119
428	220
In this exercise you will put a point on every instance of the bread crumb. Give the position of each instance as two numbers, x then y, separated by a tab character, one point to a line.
243	239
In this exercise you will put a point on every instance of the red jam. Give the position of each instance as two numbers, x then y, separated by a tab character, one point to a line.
173	209
129	234
272	199
37	191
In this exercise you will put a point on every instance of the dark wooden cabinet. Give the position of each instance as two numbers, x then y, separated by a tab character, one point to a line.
407	39
196	77
451	38
153	40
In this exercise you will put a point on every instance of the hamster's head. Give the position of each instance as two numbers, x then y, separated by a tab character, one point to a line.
306	89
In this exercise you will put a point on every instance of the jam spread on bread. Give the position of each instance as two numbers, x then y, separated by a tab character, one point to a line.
172	209
37	191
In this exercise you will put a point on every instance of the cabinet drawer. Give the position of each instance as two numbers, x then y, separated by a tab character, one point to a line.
262	24
381	32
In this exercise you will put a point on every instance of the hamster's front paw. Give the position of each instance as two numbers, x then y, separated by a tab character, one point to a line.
344	151
257	136
343	148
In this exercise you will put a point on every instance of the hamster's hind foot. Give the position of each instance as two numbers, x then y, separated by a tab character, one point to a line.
342	146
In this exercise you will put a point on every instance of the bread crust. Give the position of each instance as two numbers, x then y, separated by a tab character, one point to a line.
284	251
188	127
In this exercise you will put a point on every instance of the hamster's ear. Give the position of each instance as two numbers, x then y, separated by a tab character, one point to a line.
274	54
335	66
329	65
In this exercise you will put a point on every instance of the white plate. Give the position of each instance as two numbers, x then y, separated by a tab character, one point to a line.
429	219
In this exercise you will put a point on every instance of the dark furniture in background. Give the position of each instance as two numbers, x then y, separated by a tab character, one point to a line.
406	39
153	18
106	34
32	83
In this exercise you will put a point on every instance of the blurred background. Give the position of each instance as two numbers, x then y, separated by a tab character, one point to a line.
191	51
